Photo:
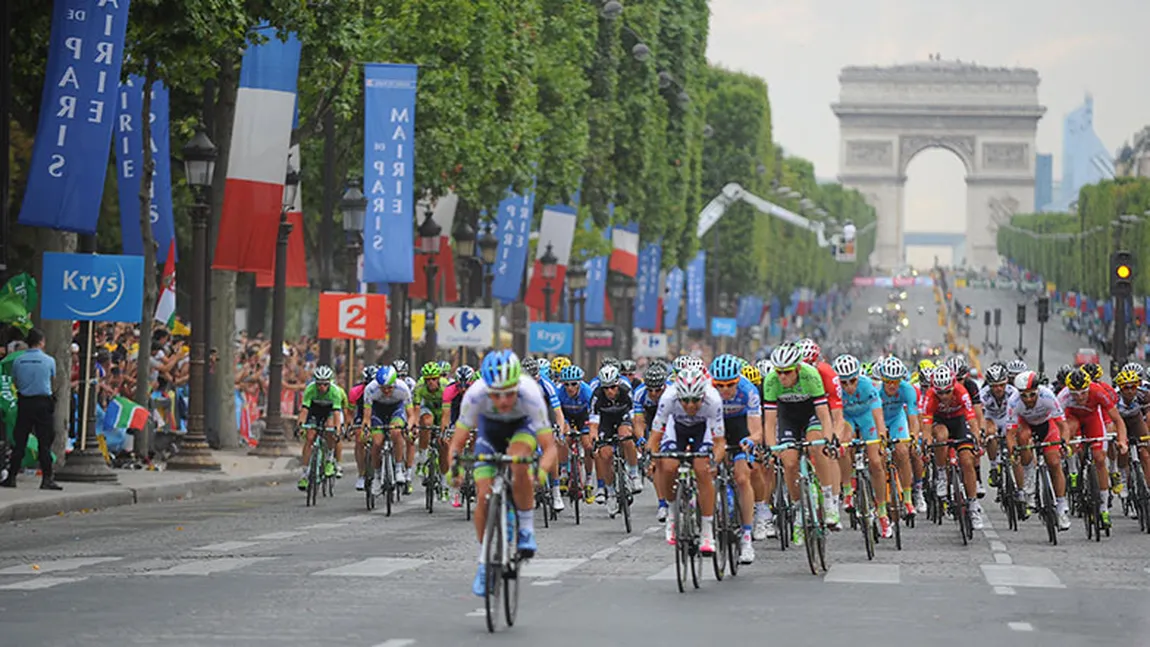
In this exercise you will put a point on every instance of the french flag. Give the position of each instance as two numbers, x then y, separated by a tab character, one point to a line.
297	253
625	255
558	229
443	213
261	137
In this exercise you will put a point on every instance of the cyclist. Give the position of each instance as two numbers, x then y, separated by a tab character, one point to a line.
559	363
1133	402
610	361
1031	410
507	410
762	474
1088	405
742	428
900	415
426	409
957	364
321	399
828	470
949	415
453	398
611	414
390	400
646	400
794	409
540	370
575	400
356	398
630	372
690	419
401	370
995	395
1014	368
862	413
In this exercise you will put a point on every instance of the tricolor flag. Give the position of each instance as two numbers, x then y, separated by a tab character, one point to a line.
558	229
443	213
625	255
122	413
261	137
166	306
297	254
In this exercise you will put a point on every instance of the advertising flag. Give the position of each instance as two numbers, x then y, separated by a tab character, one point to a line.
646	312
696	292
595	307
674	299
130	167
513	227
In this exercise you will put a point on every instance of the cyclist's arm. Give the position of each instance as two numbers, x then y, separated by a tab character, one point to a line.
879	420
1120	426
770	423
822	412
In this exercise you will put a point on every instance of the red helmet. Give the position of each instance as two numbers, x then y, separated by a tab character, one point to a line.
1026	381
810	350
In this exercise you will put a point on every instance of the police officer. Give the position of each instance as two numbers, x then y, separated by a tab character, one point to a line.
32	373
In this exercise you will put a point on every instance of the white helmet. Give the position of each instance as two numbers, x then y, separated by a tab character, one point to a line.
764	366
846	366
681	362
786	356
892	368
690	383
810	349
942	377
608	376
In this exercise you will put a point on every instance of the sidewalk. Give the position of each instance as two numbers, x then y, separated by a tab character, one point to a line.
240	472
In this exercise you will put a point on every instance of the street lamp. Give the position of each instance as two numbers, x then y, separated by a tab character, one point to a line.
353	206
576	283
273	440
465	252
611	10
548	264
488	247
199	168
429	231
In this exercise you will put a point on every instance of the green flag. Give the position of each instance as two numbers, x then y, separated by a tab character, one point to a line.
18	298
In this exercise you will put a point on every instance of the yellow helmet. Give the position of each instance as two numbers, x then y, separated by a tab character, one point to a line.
1127	378
925	364
559	363
753	374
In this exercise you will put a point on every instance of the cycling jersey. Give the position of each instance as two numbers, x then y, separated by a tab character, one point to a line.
576	408
859	408
1091	415
1137	405
973	389
453	395
896	409
1046	407
795	404
995	409
333	398
356	398
744	404
525	422
959	406
387	409
645	404
428	401
609	413
685	432
831	385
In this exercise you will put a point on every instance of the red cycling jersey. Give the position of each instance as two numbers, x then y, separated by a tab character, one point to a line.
959	406
1092	414
831	385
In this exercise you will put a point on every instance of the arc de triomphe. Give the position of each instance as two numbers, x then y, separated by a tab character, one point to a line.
986	116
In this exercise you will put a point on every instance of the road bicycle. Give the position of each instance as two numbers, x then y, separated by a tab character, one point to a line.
575	466
1044	488
688	520
864	517
389	489
810	501
956	503
1089	495
621	477
728	523
322	454
434	486
1138	501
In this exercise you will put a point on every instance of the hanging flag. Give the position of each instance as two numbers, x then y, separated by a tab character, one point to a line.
123	413
625	252
696	292
673	301
647	292
513	226
443	213
595	308
776	308
557	229
297	252
166	306
130	167
261	139
66	175
388	164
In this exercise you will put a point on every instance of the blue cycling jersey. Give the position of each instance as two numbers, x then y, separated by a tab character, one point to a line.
902	403
746	401
579	404
860	404
549	392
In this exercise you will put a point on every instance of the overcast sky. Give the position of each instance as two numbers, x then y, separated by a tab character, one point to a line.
799	47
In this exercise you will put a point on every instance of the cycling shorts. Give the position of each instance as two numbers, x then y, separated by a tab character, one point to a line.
864	426
957	429
495	436
686	438
394	414
436	415
609	426
898	427
793	430
1091	424
735	429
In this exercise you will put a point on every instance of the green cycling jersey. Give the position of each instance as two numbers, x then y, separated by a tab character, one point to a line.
425	398
335	397
808	387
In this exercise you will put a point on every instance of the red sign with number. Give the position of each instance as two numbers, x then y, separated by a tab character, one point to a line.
352	316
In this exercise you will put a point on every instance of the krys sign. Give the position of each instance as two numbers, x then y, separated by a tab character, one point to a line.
92	287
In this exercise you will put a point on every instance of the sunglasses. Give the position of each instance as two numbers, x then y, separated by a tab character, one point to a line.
946	391
886	381
503	395
690	400
849	380
786	371
725	383
1028	395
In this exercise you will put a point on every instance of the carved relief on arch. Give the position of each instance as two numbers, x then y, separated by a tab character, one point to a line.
1000	208
961	145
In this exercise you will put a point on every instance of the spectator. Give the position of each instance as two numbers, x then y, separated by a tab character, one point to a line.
32	374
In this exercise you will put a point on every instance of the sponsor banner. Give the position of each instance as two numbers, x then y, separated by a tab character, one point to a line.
651	344
92	287
554	338
674	299
724	327
471	327
352	316
598	337
130	167
646	311
696	292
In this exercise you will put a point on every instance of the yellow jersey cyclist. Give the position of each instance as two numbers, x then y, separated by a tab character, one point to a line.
426	410
389	400
507	410
321	399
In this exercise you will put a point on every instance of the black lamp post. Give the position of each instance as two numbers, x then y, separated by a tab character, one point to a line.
547	264
622	289
199	167
429	232
273	440
465	252
576	283
353	206
488	247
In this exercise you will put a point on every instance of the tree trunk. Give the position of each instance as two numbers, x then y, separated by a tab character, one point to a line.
327	224
57	341
144	357
223	286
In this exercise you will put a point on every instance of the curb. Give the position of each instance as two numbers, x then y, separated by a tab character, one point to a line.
22	510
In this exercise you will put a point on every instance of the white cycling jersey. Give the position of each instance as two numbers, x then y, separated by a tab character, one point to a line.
1045	408
710	412
994	409
373	393
529	405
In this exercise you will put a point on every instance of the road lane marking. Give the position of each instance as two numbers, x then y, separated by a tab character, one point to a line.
1003	558
546	583
549	569
397	642
863	574
277	536
210	566
1024	576
998	546
42	582
606	552
631	541
478	613
990	534
1004	590
323	526
375	567
56	565
1020	626
228	546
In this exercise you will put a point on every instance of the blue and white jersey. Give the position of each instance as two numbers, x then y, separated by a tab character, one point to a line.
549	394
860	404
624	383
746	401
577	405
897	407
994	409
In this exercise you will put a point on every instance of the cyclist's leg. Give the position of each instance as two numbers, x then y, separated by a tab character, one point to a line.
791	431
701	441
845	461
900	431
877	464
743	478
958	429
1053	457
1093	426
426	419
603	458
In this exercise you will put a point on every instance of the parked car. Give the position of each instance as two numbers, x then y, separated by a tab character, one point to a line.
1086	356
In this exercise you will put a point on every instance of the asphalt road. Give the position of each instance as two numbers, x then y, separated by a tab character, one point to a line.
258	568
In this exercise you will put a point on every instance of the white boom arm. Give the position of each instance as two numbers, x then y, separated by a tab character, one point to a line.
733	192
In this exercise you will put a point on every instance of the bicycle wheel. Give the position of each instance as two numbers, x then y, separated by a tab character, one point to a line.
575	486
1009	498
313	473
808	522
863	500
719	557
1093	501
784	516
682	541
511	580
623	492
894	504
1045	498
696	554
368	476
493	542
958	500
734	533
820	523
387	473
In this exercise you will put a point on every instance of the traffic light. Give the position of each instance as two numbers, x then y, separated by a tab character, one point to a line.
1043	309
1022	314
986	318
1121	273
998	316
968	311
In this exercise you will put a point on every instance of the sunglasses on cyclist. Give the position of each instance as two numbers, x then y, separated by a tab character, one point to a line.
886	381
848	380
786	371
1028	395
722	383
947	391
690	400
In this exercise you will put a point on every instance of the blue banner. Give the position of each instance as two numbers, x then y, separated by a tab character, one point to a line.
513	226
646	312
674	298
596	291
130	167
77	108
776	308
724	327
696	292
750	311
556	338
92	287
389	169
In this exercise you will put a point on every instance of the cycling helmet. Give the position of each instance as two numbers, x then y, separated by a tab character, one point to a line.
996	374
386	376
764	366
846	366
925	365
609	361
866	368
571	374
697	362
1127	378
725	368
323	373
892	368
809	349
690	383
942	378
680	362
1014	367
501	369
400	367
656	376
530	367
560	363
957	365
1064	371
444	367
609	376
874	369
1078	380
464	374
1026	381
544	367
752	373
430	371
786	356
369	372
628	367
1136	368
1094	370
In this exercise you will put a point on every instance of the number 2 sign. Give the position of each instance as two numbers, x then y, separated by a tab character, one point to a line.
352	316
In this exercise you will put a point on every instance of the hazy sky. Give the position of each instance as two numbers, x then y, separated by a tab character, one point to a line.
799	47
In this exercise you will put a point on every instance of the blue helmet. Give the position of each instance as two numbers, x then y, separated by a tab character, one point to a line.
571	374
386	376
500	369
725	368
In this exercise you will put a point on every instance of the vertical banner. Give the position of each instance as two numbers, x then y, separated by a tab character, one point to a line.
557	229
257	161
130	167
625	252
513	226
389	168
674	298
596	292
696	292
646	313
297	253
78	106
